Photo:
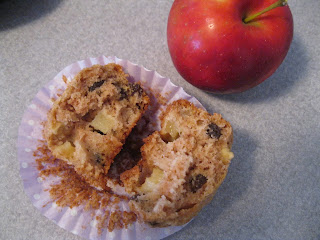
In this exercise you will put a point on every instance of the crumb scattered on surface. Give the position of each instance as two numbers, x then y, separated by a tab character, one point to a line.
72	191
65	79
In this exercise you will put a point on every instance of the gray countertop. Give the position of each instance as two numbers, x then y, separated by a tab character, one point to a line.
272	188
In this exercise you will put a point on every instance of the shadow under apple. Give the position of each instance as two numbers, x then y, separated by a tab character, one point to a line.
14	13
281	82
234	186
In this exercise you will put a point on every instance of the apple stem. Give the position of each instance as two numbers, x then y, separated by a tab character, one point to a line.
279	3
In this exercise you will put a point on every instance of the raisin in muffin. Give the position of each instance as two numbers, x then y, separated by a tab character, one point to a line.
182	165
89	123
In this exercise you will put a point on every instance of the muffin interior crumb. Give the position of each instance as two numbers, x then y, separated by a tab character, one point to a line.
182	165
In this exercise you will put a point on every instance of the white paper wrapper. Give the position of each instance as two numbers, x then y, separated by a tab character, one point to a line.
76	220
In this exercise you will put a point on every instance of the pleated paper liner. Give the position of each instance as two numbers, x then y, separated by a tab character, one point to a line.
76	219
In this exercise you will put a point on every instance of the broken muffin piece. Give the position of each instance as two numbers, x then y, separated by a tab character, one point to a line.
182	165
87	126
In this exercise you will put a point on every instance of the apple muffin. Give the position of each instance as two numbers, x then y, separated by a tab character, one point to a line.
87	126
182	165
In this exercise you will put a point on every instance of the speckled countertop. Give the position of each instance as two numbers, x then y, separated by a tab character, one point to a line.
272	189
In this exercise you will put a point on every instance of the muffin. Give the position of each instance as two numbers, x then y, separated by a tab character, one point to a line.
87	126
182	165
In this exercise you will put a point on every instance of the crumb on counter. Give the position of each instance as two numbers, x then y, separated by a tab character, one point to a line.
73	191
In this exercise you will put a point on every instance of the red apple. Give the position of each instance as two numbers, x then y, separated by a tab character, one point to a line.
221	46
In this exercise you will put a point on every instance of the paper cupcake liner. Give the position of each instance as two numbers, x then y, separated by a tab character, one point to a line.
76	220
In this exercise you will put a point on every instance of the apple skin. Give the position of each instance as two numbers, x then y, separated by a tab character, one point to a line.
214	50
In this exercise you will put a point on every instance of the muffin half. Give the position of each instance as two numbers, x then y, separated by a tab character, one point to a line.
182	165
87	126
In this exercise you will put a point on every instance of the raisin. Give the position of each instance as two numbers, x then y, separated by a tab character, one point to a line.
136	88
214	131
123	94
197	182
121	91
96	85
